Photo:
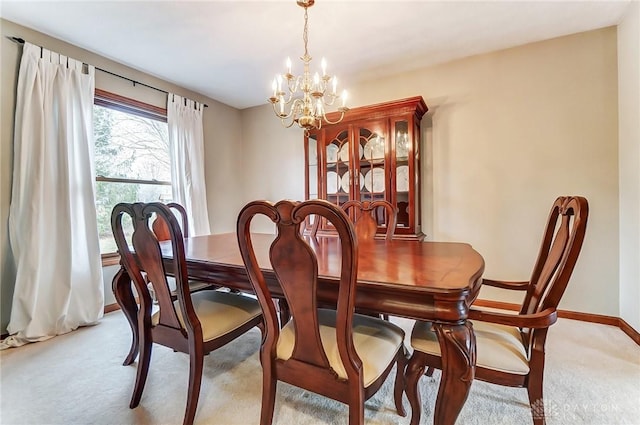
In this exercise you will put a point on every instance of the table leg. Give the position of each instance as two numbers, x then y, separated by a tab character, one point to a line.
121	287
458	350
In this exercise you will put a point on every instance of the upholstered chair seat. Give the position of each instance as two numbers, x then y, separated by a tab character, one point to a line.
376	341
498	347
219	312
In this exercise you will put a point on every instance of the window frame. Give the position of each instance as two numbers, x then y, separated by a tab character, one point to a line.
134	107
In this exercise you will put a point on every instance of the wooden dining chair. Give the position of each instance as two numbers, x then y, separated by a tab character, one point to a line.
194	323
161	230
367	215
338	354
511	347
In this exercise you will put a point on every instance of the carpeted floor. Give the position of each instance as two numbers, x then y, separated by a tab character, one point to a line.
592	377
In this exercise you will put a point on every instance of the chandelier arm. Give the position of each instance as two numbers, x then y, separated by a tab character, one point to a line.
297	107
329	99
282	116
342	111
296	84
288	99
287	125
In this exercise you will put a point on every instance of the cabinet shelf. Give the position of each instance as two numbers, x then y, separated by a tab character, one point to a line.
372	161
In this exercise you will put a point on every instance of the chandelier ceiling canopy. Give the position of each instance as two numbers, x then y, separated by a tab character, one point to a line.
303	99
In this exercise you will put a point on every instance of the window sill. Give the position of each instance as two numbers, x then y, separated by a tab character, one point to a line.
111	259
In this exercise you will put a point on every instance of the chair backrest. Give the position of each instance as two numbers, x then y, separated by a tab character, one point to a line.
368	215
558	254
146	257
161	229
295	264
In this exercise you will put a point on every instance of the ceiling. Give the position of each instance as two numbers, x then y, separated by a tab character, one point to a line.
231	50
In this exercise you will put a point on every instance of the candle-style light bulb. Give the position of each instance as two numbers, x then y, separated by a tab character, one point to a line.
274	86
279	83
344	98
335	85
324	67
316	81
288	65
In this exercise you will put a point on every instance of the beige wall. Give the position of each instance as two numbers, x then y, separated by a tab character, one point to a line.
508	132
629	157
222	134
273	157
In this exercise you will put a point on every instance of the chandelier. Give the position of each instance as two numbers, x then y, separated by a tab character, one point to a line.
303	99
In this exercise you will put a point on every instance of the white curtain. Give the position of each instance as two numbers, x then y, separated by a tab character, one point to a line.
52	217
186	141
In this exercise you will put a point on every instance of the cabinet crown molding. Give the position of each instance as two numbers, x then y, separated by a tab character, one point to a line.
415	105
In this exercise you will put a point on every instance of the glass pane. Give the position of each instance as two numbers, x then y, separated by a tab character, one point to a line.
402	139
313	167
337	178
372	174
402	172
403	209
109	194
108	243
129	146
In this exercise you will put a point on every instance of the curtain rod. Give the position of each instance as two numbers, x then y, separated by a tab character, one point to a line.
134	82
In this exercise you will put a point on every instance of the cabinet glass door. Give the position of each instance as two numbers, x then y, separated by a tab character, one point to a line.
312	173
337	164
312	161
372	165
373	168
402	172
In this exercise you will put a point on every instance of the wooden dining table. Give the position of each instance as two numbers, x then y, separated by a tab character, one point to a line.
429	281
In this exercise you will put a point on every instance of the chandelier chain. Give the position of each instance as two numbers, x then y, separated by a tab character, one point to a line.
305	32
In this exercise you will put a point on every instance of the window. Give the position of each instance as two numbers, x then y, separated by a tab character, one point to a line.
131	158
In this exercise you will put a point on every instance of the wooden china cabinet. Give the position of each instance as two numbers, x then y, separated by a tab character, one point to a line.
372	154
